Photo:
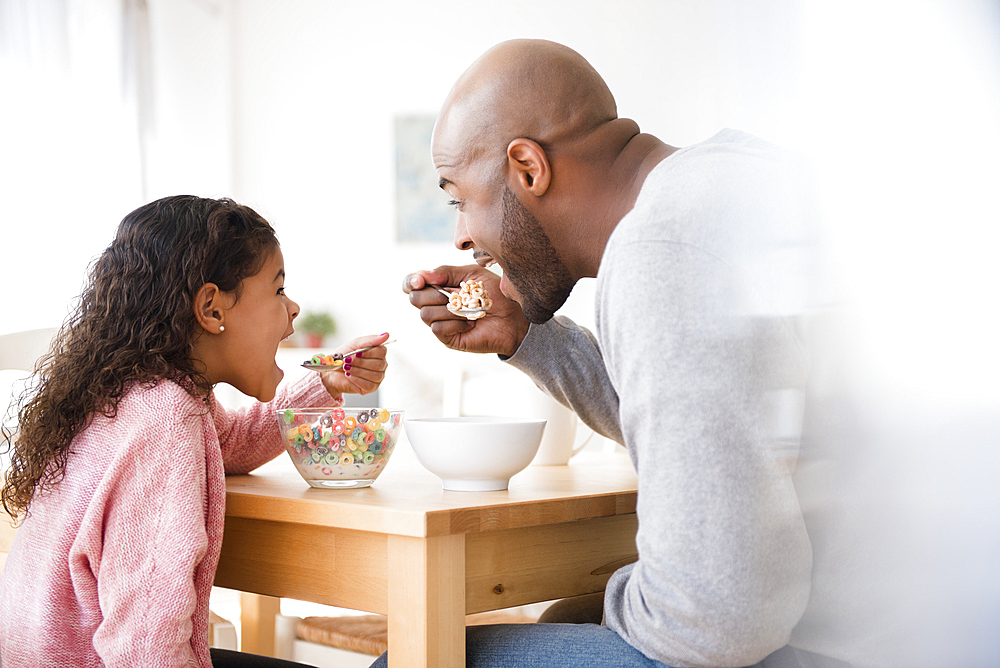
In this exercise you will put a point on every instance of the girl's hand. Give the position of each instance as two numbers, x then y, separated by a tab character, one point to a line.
363	372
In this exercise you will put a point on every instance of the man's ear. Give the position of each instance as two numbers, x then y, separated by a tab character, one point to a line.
530	165
208	309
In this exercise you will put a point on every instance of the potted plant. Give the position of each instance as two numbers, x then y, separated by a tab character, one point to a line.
315	326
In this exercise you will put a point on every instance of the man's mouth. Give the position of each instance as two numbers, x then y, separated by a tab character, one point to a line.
483	260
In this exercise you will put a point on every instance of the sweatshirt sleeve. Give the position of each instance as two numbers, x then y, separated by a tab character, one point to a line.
724	559
148	544
564	360
249	436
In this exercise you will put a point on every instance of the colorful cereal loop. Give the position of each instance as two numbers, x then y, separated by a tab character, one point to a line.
373	412
338	427
376	447
299	440
352	446
368	458
289	416
338	414
346	459
331	459
326	420
292	433
362	446
369	438
363	417
383	416
380	435
395	420
327	471
350	423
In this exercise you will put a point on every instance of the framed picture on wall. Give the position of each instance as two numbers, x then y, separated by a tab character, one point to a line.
422	212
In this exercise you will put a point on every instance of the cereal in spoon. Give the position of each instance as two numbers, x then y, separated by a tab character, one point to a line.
470	301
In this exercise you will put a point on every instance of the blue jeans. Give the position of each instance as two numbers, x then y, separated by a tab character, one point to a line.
548	645
582	646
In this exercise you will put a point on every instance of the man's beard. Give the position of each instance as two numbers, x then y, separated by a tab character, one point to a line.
533	265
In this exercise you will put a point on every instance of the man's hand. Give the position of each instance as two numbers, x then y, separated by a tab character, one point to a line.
501	330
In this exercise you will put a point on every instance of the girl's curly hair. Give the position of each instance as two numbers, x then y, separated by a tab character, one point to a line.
134	323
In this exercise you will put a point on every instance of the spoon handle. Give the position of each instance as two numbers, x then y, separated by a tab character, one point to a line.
441	290
361	350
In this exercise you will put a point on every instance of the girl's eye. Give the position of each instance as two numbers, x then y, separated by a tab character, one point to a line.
453	202
281	292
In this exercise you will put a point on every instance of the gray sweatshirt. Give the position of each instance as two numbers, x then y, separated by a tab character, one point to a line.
699	369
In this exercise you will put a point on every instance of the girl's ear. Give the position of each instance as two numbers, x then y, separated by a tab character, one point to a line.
208	310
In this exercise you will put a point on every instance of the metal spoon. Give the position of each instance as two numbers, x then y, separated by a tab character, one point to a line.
338	363
468	313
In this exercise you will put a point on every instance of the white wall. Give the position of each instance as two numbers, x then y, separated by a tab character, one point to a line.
70	135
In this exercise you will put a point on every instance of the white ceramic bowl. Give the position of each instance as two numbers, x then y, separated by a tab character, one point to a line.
339	448
475	454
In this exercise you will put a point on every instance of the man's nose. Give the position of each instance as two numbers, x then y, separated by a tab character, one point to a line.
462	239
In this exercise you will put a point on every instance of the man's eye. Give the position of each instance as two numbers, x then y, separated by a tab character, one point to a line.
453	202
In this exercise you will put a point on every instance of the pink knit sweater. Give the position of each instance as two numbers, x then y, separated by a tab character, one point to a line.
114	567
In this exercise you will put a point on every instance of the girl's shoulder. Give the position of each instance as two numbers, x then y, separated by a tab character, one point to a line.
160	402
147	414
161	390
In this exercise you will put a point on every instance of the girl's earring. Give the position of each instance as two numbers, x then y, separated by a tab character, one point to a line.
221	329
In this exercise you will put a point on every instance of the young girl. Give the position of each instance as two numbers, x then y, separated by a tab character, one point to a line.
118	469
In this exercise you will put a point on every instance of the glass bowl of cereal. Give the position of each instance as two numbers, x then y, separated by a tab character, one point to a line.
340	448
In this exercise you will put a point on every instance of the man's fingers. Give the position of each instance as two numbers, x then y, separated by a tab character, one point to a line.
413	282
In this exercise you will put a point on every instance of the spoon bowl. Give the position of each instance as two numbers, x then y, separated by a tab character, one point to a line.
338	362
468	313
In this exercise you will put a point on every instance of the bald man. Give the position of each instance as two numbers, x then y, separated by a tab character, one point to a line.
697	366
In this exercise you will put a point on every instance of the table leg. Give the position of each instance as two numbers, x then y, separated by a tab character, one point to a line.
426	601
257	614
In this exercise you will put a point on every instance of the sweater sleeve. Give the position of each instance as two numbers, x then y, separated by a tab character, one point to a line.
147	547
724	559
249	436
564	360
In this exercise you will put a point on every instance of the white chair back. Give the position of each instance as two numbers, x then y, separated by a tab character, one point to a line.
18	353
20	350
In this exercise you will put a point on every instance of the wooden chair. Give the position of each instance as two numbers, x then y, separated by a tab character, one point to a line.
353	641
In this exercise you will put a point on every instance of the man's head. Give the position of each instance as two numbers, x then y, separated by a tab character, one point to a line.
506	146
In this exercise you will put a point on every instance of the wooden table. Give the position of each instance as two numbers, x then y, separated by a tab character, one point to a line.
423	556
